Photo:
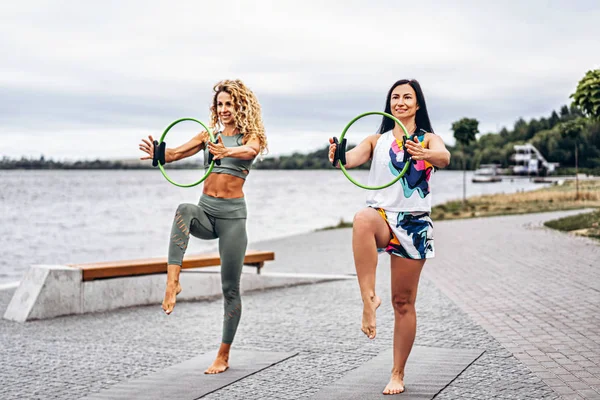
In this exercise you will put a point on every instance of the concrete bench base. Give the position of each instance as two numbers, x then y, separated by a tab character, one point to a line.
48	291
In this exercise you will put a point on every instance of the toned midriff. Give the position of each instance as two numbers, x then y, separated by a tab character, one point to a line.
224	186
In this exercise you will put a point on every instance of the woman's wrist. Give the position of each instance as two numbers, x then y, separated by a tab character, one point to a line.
428	154
437	158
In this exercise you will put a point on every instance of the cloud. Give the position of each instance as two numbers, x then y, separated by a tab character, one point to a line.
77	73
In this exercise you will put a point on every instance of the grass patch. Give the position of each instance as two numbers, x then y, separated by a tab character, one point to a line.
553	198
583	224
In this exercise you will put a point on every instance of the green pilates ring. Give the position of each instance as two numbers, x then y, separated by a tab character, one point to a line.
212	163
406	165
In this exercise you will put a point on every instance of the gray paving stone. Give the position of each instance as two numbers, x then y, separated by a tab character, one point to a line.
75	356
540	287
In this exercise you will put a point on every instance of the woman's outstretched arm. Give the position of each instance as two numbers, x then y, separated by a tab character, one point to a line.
187	149
358	155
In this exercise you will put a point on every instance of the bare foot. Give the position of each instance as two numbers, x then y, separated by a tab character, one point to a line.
369	318
396	384
173	289
219	365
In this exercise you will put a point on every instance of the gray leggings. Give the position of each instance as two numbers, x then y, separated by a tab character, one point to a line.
214	218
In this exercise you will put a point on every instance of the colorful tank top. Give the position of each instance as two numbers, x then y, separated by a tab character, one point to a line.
411	192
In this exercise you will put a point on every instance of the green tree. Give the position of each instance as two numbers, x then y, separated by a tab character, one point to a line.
554	119
465	130
587	95
573	129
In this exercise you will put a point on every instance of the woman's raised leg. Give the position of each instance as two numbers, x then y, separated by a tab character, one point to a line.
369	231
189	219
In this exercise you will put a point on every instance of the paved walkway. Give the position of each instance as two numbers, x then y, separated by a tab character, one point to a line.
503	285
537	291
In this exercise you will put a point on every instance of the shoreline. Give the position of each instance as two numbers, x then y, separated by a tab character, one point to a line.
560	196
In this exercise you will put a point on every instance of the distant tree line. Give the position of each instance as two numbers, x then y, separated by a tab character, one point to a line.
546	134
497	148
317	159
570	137
494	148
43	163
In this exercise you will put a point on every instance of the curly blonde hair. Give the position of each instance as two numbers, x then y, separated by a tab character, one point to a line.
248	117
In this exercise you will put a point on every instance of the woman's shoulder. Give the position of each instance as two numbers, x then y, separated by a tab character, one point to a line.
425	135
374	138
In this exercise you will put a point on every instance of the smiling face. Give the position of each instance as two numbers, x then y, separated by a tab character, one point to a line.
225	108
403	102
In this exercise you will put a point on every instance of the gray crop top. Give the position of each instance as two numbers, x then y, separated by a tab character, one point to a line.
230	165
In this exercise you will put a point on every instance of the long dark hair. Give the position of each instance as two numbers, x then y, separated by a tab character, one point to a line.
421	118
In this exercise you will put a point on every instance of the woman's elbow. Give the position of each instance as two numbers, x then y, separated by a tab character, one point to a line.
251	154
445	161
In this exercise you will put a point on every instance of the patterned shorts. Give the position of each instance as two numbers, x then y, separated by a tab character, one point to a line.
411	234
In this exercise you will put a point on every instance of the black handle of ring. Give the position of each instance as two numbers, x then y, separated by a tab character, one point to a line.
159	153
211	155
407	155
340	152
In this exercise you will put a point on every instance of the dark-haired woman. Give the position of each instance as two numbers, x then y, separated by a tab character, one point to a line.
396	219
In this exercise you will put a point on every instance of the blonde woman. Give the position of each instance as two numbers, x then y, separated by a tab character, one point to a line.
221	211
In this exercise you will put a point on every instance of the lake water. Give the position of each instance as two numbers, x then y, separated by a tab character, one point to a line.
60	217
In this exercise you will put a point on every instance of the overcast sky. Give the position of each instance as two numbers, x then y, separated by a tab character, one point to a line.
90	79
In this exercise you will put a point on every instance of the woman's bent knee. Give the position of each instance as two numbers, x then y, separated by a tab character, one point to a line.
368	222
365	219
186	208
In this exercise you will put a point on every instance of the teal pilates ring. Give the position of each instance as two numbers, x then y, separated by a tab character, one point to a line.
210	168
406	164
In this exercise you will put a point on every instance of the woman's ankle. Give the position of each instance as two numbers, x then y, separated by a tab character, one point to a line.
173	274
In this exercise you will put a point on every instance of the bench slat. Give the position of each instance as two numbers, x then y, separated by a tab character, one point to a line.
159	265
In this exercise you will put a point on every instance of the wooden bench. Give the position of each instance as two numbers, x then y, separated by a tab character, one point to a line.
159	265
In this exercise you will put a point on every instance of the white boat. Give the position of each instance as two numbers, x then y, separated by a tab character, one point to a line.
529	161
486	173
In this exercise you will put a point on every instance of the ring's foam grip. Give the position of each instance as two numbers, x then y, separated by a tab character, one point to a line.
159	153
162	153
340	152
407	156
211	155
